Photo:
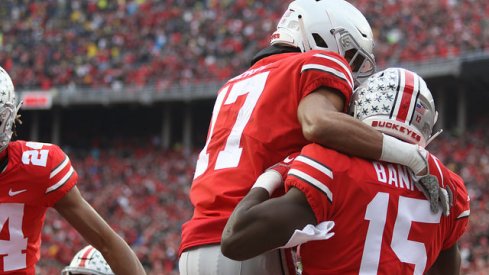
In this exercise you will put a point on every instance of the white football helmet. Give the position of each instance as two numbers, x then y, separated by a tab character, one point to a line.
334	25
396	102
88	261
8	108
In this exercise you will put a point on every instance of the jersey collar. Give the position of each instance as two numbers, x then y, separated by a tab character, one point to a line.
271	50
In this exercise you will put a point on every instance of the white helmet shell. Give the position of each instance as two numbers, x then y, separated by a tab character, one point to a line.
333	25
396	102
8	108
88	261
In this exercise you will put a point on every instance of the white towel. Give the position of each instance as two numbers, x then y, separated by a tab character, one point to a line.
311	233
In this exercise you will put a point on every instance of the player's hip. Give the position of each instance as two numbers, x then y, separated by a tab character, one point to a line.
208	259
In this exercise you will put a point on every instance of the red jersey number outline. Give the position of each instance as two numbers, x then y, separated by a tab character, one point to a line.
230	156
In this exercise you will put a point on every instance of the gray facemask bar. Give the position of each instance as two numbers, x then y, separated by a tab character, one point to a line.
7	119
347	42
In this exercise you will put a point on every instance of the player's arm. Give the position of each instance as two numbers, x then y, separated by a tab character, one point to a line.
447	263
322	120
259	224
98	233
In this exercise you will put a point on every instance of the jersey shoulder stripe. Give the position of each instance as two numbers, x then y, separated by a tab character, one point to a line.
59	168
62	181
326	69
316	165
337	62
61	171
305	177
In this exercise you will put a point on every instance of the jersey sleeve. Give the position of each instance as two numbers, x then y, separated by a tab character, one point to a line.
283	167
326	69
460	210
61	176
310	174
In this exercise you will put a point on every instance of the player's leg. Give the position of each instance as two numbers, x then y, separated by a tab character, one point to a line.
208	260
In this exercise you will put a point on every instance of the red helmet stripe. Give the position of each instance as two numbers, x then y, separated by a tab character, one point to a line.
407	96
405	101
85	256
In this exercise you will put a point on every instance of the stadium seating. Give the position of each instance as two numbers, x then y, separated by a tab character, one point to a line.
143	194
143	191
103	43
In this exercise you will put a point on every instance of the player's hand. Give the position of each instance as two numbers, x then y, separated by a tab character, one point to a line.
283	167
440	196
274	177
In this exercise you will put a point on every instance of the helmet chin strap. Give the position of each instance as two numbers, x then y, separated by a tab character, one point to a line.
434	136
437	133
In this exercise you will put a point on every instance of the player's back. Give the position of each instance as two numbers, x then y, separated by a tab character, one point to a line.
383	224
254	125
37	176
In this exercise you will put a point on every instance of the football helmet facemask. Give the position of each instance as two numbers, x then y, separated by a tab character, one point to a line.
396	102
333	25
8	108
88	261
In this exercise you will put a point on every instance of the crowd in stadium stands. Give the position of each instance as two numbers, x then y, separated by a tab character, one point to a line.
101	43
469	157
142	192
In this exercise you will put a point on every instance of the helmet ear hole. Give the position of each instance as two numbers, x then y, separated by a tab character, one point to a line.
319	40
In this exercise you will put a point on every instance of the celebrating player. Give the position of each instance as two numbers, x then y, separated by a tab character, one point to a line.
381	222
293	94
33	177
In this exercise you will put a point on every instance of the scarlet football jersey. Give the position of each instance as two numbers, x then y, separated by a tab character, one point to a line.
36	177
383	223
254	125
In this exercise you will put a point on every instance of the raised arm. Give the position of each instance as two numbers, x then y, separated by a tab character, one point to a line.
98	233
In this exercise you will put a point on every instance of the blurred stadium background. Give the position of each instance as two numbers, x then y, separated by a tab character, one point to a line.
127	87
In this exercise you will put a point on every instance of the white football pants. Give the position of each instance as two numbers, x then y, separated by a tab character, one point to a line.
208	260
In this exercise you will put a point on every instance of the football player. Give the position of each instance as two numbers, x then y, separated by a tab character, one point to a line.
294	93
355	216
88	261
33	177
